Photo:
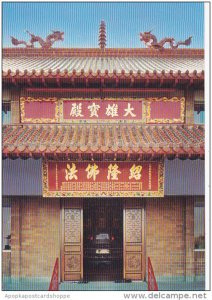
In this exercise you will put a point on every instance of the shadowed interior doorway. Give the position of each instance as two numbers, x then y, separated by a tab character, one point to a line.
103	239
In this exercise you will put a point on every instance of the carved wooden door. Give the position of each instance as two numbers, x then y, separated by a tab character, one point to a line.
72	240
134	256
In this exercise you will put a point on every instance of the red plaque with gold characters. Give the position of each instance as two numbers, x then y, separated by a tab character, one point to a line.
99	179
98	110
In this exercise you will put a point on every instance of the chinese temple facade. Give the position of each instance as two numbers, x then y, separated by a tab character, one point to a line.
103	141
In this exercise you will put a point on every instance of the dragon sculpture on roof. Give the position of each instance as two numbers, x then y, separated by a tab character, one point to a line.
45	44
151	41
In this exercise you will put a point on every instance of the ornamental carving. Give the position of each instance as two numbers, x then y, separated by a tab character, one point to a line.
133	262
133	226
151	41
72	225
72	263
44	43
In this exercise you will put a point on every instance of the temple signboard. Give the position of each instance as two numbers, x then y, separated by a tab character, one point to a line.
107	110
98	110
95	179
77	110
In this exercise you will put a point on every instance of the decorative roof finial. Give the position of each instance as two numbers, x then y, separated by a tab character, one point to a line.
102	35
45	44
151	41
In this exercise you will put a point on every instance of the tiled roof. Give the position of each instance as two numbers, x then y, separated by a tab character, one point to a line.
107	52
102	64
176	140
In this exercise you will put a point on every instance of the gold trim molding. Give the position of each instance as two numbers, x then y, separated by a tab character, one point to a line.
149	101
23	100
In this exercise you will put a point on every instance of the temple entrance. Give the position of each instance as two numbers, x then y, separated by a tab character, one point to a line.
103	239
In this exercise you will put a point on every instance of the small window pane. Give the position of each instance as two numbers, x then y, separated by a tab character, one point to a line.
199	118
199	226
6	227
6	113
199	113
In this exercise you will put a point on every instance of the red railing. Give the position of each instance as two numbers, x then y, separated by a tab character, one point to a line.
54	284
152	283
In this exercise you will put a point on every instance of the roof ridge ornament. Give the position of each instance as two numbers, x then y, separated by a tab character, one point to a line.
45	44
102	35
151	41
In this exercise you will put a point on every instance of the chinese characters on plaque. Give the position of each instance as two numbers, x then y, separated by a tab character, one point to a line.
108	110
85	179
100	110
92	172
111	110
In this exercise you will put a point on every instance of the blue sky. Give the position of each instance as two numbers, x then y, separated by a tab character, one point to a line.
124	21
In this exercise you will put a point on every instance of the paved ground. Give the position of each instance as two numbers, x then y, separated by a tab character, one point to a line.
164	284
181	284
